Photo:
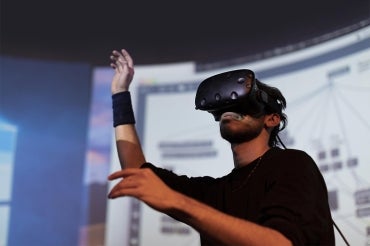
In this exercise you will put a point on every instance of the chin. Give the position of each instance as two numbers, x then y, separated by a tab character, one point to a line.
235	135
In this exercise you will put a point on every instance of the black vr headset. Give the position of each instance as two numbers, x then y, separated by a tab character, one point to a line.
234	91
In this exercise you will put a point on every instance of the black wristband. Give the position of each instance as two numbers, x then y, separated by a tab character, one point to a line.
123	113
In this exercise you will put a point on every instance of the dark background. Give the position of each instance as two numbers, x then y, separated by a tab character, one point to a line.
167	31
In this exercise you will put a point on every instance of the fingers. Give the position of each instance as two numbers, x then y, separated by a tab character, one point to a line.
124	173
121	59
117	61
127	57
128	185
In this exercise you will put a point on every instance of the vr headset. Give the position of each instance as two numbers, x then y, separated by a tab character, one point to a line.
234	91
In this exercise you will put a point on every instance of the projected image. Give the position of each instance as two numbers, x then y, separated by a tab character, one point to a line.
42	162
97	162
335	131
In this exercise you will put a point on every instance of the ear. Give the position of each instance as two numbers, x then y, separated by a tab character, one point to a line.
272	120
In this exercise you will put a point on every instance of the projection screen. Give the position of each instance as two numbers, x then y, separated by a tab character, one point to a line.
327	87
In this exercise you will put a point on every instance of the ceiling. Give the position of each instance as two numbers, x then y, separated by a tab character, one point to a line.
166	31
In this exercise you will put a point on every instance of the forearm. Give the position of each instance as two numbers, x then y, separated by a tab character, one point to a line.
222	228
128	145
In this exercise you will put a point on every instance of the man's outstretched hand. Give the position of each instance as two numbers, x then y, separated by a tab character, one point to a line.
144	185
123	66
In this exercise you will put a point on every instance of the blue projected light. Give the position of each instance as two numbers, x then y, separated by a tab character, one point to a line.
8	135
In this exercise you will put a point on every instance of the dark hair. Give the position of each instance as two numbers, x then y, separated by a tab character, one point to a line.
278	97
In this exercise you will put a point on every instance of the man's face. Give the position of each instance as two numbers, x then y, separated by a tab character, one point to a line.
238	129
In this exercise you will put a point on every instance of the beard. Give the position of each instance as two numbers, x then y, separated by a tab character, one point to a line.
239	134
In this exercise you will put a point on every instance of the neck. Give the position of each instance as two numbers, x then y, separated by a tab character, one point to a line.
247	152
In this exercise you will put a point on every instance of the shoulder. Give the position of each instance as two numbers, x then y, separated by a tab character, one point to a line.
289	152
292	159
289	155
294	168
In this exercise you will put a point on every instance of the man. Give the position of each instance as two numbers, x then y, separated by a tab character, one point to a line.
271	197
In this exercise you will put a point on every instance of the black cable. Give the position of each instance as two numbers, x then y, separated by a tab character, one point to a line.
281	142
341	234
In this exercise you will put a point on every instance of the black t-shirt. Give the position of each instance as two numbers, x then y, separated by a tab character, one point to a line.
283	190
